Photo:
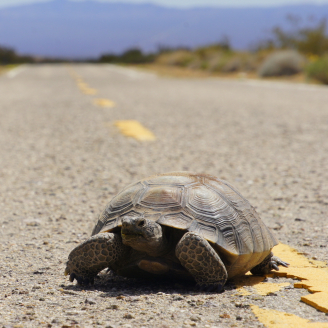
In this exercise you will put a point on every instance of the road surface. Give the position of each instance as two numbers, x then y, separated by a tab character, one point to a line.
72	136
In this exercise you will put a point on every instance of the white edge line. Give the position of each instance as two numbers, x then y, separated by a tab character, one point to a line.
131	73
14	72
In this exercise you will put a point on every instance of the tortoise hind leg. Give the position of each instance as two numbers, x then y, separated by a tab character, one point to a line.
202	262
95	254
269	263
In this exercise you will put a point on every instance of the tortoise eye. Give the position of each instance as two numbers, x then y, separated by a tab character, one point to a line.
141	223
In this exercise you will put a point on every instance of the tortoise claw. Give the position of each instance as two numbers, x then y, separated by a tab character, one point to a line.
72	277
81	280
285	264
275	262
275	266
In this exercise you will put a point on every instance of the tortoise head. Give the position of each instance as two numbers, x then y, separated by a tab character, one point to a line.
143	235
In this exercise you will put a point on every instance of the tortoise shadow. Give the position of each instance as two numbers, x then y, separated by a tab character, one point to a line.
247	280
113	286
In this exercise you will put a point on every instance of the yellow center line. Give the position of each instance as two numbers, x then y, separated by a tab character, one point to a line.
313	275
134	129
86	89
264	288
277	319
101	102
261	288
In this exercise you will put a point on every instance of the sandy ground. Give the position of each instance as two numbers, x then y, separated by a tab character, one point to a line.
62	159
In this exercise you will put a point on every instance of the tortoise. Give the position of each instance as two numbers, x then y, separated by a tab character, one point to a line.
179	224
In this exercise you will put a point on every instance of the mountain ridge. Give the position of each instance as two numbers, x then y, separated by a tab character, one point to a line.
88	29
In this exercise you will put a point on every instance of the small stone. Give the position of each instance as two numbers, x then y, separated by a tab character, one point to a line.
177	298
32	222
89	301
195	318
224	316
239	317
258	298
128	316
210	304
120	297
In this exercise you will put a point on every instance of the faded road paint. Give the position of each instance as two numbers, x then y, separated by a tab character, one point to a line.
313	275
264	288
81	84
86	89
277	319
15	71
134	129
261	288
104	103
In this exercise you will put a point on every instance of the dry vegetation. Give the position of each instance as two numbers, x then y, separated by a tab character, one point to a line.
300	54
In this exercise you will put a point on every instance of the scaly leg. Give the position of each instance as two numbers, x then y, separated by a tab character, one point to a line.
201	260
92	256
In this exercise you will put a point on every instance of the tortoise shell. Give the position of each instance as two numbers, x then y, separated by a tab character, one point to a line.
200	203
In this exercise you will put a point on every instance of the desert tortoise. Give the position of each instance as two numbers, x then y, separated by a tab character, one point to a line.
179	224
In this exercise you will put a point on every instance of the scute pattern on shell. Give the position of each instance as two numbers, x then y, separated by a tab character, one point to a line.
193	202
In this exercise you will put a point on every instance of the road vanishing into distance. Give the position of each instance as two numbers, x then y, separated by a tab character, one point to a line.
72	136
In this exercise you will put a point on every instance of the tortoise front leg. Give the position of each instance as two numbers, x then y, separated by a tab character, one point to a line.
269	263
95	254
202	262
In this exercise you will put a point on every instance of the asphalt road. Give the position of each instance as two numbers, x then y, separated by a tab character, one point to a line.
63	158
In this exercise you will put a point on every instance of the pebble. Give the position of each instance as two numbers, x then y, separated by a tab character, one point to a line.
90	301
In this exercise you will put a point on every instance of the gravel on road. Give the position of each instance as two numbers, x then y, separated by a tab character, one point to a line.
62	159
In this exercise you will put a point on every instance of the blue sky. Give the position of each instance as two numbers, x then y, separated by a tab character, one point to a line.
189	3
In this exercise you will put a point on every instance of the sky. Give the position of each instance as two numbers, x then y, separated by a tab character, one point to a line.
188	3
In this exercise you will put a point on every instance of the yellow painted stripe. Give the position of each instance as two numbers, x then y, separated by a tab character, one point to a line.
261	288
104	103
81	84
89	91
134	129
277	319
85	88
267	288
313	275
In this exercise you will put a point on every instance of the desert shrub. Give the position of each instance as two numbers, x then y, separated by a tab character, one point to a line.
318	69
218	61
283	62
9	56
307	40
182	58
130	56
135	56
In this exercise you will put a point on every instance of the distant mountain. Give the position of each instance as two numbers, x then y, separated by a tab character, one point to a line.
89	28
